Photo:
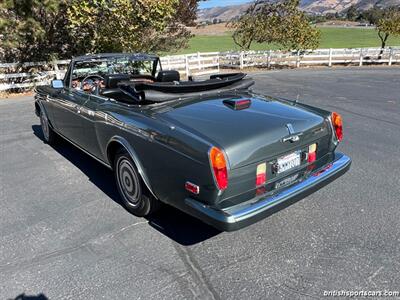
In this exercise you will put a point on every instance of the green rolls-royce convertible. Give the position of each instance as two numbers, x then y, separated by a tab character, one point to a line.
210	147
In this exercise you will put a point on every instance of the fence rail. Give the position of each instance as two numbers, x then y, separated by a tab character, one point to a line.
18	77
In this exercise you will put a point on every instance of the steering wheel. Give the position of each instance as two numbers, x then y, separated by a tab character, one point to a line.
91	82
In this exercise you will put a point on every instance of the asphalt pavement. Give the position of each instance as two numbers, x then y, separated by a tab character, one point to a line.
64	235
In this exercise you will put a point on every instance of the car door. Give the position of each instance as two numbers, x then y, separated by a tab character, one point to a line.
90	115
67	113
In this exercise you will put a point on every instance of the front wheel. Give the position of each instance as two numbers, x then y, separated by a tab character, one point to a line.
48	133
135	197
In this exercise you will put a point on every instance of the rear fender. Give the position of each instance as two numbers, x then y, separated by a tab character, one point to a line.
124	143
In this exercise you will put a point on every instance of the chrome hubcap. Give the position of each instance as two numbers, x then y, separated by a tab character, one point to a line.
45	126
128	181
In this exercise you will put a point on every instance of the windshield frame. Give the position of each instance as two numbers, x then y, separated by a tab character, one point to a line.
156	63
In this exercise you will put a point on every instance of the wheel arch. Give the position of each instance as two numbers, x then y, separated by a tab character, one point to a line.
117	143
37	109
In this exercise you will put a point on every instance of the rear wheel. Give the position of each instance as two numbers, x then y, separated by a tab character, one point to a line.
48	133
134	194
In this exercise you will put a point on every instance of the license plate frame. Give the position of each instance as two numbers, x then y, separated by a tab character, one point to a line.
287	181
288	162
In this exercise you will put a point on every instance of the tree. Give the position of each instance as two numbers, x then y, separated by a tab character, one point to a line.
119	25
299	35
352	13
33	30
388	25
387	22
275	22
246	27
176	35
186	12
372	15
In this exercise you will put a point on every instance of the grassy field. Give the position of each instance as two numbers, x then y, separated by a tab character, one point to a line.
330	38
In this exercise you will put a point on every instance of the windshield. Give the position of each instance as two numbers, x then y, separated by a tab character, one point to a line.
120	65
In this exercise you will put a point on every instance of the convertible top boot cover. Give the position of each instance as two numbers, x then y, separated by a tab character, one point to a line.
157	96
166	91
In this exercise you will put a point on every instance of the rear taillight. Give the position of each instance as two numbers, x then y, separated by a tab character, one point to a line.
261	175
337	125
312	153
218	165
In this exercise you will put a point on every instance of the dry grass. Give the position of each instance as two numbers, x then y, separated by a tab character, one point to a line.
5	95
215	29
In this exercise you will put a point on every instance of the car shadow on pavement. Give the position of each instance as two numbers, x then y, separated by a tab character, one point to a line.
181	227
176	225
28	297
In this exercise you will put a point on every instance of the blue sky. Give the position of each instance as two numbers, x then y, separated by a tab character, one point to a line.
213	3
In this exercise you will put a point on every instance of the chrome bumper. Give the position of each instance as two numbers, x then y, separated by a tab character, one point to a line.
241	215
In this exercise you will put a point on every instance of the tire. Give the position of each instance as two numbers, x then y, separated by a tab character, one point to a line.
134	194
49	135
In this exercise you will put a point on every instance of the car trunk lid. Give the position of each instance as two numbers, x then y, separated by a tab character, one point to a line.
250	133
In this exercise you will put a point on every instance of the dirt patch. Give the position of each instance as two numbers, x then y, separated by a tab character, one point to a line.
4	95
222	29
215	29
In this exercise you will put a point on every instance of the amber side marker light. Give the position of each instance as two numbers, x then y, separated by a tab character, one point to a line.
337	124
218	165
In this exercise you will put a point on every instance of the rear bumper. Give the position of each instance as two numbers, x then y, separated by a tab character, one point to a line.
241	215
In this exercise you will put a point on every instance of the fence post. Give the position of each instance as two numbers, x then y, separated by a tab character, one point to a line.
198	61
241	60
390	56
187	69
361	58
298	59
219	62
269	59
330	58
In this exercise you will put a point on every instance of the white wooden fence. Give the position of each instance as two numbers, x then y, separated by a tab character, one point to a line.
193	64
41	73
36	74
329	57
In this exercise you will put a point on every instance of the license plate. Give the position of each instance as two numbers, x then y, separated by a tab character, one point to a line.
288	162
287	181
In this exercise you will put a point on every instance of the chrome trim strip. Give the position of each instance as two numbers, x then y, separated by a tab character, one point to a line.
242	212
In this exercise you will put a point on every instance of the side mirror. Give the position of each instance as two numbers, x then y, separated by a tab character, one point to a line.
57	84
